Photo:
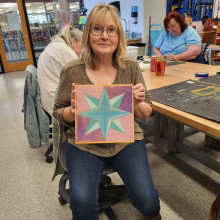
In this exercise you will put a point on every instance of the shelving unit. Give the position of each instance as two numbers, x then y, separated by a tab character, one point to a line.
218	34
216	54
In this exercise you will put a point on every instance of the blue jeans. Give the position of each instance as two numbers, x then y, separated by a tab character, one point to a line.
85	170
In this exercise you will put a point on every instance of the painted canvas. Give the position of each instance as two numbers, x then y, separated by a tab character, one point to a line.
104	114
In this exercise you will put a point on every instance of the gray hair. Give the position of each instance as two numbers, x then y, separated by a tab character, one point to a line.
67	32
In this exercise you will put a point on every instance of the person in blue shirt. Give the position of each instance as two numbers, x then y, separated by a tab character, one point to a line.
178	41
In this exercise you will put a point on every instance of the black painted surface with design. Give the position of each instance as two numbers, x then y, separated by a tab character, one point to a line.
196	97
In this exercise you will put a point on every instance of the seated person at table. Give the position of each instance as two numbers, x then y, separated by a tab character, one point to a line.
104	62
209	24
178	41
64	47
204	19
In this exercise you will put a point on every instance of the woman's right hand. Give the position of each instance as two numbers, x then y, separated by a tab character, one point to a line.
157	53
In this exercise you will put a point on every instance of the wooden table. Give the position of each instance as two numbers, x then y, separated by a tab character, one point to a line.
175	74
134	41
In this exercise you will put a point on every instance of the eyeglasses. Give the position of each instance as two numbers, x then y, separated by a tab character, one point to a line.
171	26
97	31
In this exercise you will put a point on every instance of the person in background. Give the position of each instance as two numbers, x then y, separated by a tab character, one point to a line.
104	61
204	19
209	24
64	47
178	41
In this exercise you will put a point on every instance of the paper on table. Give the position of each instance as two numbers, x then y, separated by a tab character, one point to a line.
144	66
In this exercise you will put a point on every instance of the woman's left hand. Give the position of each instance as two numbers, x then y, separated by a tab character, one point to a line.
139	93
171	57
141	109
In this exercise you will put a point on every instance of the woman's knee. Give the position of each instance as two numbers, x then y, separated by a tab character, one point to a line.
83	204
148	205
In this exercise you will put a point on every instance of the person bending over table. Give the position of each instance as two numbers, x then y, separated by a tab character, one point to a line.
178	41
104	62
64	47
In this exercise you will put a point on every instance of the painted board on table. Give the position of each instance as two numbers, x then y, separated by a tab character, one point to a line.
193	96
104	114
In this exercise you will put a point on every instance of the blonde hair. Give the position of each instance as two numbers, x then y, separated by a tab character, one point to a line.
101	12
67	32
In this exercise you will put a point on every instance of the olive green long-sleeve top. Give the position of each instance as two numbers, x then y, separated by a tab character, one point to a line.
75	72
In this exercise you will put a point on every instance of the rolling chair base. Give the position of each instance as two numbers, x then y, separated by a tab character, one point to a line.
49	159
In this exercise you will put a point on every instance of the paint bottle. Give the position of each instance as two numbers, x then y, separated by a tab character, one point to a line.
133	34
152	64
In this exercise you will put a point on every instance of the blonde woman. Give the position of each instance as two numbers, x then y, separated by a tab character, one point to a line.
64	47
104	62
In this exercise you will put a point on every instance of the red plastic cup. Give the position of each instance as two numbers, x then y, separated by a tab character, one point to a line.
152	63
160	67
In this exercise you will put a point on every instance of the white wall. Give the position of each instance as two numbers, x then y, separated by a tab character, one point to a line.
199	25
157	10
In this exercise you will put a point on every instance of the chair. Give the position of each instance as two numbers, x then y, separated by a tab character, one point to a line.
201	58
49	159
154	34
147	126
108	194
36	120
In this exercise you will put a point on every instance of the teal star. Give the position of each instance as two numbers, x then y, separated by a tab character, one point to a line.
104	113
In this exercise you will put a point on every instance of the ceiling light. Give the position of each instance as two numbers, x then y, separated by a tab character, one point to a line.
8	5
